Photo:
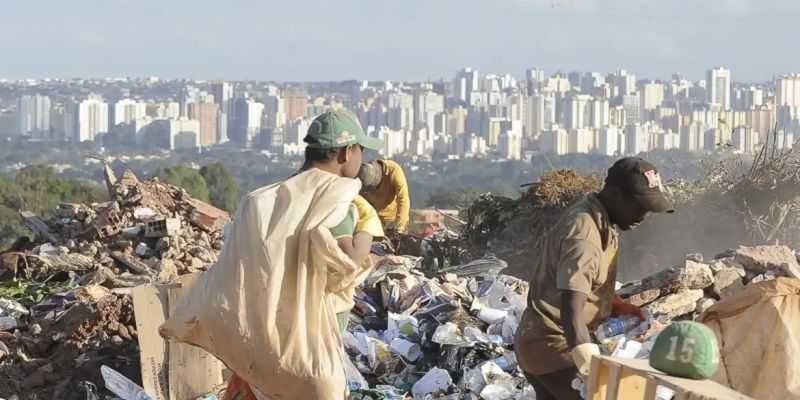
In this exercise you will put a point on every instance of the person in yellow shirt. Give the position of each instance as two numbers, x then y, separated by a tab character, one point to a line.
384	186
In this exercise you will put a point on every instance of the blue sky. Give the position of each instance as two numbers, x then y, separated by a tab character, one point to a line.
296	40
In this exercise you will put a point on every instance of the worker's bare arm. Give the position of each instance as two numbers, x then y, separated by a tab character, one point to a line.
572	304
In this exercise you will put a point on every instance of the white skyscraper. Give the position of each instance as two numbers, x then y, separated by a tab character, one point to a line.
127	111
610	138
718	86
511	144
33	116
89	119
788	90
633	108
636	139
599	113
744	139
540	113
669	140
555	141
581	140
652	95
577	111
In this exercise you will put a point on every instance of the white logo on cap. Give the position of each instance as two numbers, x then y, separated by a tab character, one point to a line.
653	179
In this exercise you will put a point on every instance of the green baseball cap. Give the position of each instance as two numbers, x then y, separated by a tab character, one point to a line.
686	349
334	129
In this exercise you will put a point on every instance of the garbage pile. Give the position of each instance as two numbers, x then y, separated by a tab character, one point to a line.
65	307
446	336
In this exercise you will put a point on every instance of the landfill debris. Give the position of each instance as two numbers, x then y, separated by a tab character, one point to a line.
63	313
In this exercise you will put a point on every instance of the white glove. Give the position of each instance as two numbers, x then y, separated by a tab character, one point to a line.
582	357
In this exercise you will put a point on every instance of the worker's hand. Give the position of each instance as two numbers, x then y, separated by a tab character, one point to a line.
582	357
368	220
619	308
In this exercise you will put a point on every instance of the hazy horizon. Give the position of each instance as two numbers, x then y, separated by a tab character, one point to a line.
413	40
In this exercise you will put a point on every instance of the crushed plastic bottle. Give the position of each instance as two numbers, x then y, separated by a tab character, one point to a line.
122	386
507	362
617	326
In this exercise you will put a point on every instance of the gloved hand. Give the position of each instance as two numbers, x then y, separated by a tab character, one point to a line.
582	357
368	220
619	308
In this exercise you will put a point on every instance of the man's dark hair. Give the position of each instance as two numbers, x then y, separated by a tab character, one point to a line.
314	154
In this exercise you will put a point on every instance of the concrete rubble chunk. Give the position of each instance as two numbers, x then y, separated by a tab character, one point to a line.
726	263
727	282
704	304
676	304
691	275
760	259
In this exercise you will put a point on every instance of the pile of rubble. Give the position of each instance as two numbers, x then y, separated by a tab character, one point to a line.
687	290
82	264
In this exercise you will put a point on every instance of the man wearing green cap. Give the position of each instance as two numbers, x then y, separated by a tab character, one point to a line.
572	286
336	143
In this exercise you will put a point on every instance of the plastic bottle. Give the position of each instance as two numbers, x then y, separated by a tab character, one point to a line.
507	362
617	326
122	386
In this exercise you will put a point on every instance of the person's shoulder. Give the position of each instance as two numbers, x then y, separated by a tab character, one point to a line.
577	223
390	164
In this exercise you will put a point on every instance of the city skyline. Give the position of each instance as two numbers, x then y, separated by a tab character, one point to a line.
408	41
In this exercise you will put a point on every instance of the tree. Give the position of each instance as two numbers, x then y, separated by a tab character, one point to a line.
456	198
186	178
223	188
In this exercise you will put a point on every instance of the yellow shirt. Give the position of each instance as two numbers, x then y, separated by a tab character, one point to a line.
391	198
579	254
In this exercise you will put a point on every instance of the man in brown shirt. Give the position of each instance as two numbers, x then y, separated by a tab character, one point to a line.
572	288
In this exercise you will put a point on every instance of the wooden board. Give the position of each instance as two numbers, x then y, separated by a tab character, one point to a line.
150	312
618	378
192	371
170	371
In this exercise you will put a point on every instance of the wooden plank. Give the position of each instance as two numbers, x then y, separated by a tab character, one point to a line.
598	379
192	371
700	389
150	311
650	390
613	381
632	385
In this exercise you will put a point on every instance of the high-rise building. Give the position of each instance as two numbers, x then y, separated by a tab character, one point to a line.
88	119
223	93
457	121
581	140
511	144
128	110
465	83
652	95
624	81
636	139
718	86
599	113
295	103
554	141
610	140
206	114
246	118
668	140
534	78
744	139
33	116
633	108
788	90
577	113
540	113
427	106
692	136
